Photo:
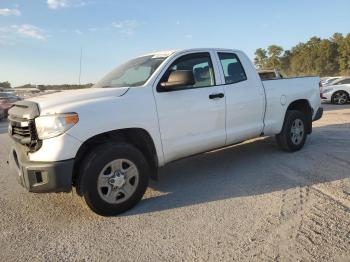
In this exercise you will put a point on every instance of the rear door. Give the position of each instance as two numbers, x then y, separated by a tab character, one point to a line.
245	100
191	118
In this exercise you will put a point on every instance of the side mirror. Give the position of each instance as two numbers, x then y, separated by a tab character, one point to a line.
179	78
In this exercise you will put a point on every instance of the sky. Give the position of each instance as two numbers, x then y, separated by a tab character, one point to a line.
41	40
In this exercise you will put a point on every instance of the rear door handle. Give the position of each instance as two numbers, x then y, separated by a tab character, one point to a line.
218	95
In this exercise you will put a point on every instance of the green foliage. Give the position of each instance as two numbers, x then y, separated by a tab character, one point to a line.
63	87
323	57
27	86
274	60
5	84
56	87
260	58
344	54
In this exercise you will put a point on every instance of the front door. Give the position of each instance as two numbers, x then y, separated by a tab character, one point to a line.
191	118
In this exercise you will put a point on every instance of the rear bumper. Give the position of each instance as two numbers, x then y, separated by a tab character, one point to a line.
318	114
41	177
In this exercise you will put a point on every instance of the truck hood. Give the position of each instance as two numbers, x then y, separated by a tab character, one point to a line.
48	101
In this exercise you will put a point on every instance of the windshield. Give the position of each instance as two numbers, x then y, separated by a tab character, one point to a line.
332	80
133	73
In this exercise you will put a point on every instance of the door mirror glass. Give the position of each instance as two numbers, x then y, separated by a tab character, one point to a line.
179	78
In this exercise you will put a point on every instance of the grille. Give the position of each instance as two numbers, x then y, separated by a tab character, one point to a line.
22	126
24	132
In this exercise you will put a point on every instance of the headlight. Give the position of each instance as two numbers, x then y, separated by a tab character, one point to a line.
55	125
326	90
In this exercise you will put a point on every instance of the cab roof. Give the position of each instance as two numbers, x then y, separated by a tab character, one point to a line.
170	52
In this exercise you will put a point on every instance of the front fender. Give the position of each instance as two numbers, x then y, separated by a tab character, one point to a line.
136	109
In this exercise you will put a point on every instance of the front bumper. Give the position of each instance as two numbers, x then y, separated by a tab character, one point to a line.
327	97
41	177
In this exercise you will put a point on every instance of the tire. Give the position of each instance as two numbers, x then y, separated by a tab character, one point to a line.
294	123
340	98
102	164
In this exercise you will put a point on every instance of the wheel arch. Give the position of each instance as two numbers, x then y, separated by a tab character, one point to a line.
138	137
302	105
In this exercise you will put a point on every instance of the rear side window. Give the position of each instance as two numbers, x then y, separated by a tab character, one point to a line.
232	67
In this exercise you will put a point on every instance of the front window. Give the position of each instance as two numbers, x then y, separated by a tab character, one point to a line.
199	64
331	81
133	73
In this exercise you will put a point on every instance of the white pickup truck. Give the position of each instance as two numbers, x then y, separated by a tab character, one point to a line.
109	140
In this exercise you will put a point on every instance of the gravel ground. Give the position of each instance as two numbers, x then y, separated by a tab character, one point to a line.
250	202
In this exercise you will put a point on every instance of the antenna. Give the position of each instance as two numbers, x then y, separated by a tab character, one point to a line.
81	59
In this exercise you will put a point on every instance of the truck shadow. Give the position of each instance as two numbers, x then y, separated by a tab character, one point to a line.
252	168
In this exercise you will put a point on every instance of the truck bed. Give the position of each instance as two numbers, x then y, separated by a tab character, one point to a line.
282	92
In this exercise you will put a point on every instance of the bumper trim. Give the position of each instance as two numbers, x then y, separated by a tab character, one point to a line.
318	114
41	177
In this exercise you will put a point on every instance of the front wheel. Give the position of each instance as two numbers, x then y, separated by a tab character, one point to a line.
113	178
293	135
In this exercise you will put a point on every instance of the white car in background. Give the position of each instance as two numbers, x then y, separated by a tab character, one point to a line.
336	94
2	113
330	80
341	81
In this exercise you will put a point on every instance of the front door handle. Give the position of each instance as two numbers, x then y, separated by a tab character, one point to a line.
218	95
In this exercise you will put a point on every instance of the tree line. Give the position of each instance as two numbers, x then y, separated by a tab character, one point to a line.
322	57
63	87
47	87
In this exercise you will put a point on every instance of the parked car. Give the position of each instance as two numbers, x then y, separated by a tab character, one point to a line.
330	80
109	140
336	94
2	113
9	96
341	81
6	101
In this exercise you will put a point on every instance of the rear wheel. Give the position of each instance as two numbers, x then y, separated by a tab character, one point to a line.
113	178
293	135
340	97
